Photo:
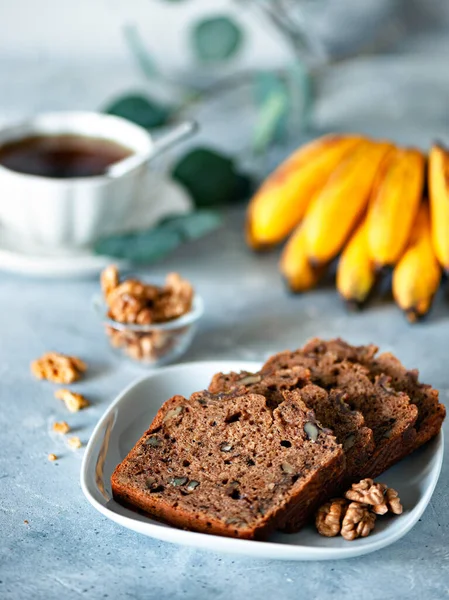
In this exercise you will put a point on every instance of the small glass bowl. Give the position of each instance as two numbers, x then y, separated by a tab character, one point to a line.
151	345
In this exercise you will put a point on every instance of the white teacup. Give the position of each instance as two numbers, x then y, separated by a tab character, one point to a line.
74	211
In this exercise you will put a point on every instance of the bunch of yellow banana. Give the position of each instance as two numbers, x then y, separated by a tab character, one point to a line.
361	199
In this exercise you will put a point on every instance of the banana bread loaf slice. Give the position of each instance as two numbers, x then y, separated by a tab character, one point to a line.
431	412
387	408
231	465
331	410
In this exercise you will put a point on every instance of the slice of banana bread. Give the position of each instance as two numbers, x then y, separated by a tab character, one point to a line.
330	409
231	465
329	360
431	412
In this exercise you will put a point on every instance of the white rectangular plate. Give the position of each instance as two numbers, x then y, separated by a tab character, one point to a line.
131	413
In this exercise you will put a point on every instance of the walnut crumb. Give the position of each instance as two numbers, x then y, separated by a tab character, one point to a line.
58	367
52	457
61	427
74	442
73	401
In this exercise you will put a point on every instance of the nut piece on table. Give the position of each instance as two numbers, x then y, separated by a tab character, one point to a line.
329	517
58	367
357	522
74	402
74	442
61	427
52	457
390	503
367	492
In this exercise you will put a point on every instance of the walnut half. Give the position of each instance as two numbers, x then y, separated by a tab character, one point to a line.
380	497
330	516
357	522
391	503
367	492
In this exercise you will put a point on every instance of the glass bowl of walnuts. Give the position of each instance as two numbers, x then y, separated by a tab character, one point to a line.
148	323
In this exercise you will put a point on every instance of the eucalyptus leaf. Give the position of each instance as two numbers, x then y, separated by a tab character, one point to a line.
140	53
141	247
216	39
211	178
272	98
300	87
139	109
153	244
192	226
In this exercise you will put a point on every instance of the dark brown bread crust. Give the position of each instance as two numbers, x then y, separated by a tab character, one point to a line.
330	409
431	413
270	384
231	465
325	359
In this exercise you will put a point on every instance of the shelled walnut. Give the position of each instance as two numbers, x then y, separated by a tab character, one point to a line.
379	496
357	522
355	515
330	516
367	491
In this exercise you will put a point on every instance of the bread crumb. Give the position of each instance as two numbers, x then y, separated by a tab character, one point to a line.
74	442
52	457
73	401
61	427
26	522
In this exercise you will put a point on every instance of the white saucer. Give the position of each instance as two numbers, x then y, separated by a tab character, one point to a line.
27	258
133	410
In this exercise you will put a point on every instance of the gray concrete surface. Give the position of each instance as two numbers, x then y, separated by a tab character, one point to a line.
68	550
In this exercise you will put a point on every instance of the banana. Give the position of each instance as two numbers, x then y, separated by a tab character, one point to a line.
298	273
355	272
417	275
281	201
394	204
439	203
336	208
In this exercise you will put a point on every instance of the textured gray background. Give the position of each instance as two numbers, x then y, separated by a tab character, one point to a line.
69	550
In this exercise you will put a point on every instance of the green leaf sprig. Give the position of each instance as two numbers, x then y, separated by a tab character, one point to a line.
148	246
